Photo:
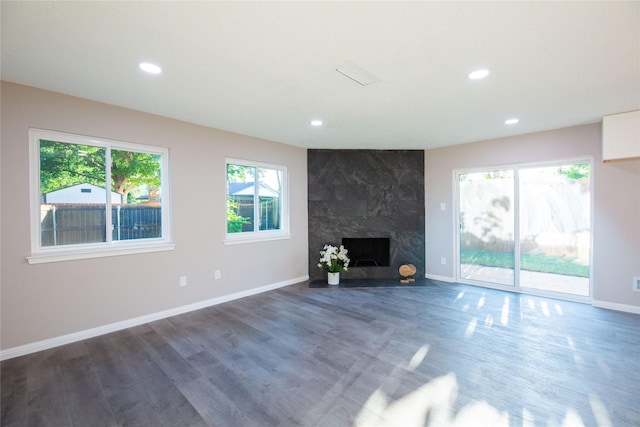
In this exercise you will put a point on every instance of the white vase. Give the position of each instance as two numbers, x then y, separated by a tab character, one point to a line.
334	278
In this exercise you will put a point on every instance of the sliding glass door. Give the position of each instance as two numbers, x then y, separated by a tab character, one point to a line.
555	231
487	226
527	227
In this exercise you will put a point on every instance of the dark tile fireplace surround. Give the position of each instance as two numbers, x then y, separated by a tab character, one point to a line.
356	194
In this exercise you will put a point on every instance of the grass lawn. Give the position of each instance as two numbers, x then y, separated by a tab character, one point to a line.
528	262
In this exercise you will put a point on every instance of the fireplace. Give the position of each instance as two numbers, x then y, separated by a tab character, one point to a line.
367	252
367	193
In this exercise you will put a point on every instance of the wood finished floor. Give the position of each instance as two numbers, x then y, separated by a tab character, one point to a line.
439	355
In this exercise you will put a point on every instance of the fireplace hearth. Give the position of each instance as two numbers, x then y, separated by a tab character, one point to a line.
368	251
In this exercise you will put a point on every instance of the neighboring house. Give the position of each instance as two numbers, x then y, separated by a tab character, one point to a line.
246	190
81	193
243	193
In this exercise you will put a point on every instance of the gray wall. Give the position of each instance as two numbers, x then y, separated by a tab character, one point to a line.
367	193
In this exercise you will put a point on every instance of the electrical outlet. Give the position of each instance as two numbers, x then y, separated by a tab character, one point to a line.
183	280
443	261
636	284
443	207
217	274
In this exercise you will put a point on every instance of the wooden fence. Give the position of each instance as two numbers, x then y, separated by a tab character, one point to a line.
67	224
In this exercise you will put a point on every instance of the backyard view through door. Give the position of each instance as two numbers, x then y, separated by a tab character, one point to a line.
527	227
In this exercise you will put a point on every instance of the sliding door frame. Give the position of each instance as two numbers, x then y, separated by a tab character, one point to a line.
516	221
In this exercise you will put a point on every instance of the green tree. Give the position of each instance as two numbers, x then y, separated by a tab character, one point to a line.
240	173
237	173
234	221
63	165
130	169
575	171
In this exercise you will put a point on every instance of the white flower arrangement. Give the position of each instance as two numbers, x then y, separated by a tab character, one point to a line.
333	259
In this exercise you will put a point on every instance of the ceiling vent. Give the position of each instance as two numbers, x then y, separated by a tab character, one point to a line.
356	73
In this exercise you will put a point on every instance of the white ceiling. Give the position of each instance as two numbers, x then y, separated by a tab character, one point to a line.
267	69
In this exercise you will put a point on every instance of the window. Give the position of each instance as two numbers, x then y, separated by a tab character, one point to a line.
256	201
94	197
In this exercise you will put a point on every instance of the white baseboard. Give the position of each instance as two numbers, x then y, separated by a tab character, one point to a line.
113	327
439	278
618	307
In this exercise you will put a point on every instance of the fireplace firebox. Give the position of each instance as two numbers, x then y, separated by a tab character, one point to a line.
367	252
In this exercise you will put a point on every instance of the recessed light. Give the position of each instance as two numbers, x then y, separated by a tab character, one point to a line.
511	121
316	122
478	74
150	68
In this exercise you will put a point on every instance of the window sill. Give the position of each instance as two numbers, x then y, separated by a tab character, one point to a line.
238	239
98	253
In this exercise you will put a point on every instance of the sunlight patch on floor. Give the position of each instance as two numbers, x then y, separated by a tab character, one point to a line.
428	405
528	420
471	327
504	318
572	419
488	321
480	411
432	404
600	411
604	368
481	302
531	303
545	308
417	358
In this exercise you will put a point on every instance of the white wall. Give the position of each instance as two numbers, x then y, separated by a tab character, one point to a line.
616	212
45	301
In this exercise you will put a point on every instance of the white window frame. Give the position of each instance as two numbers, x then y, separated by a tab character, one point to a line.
259	235
44	254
